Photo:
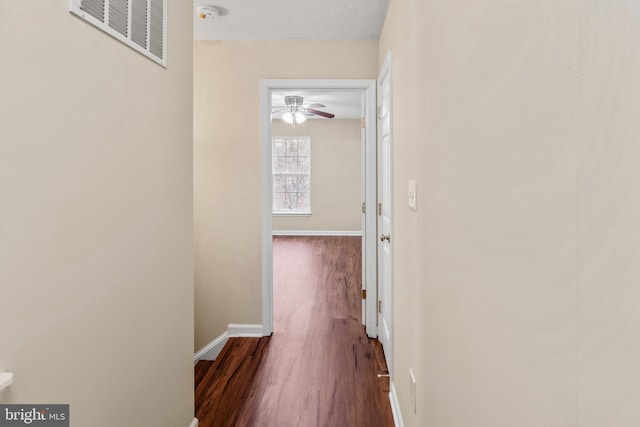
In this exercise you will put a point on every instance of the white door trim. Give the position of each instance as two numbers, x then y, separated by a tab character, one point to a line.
368	87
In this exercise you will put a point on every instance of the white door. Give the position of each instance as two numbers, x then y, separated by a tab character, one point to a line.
385	237
363	192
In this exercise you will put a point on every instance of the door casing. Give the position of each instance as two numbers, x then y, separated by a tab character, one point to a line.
368	87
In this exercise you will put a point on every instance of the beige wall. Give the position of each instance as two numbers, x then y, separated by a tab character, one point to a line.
516	282
227	163
96	261
336	175
399	37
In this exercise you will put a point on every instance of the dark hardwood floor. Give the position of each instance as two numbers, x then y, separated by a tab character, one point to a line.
318	368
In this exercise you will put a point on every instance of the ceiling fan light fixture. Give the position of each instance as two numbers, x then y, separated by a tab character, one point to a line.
294	112
288	117
300	118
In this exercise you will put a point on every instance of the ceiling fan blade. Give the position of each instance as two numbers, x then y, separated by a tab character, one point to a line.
321	113
316	105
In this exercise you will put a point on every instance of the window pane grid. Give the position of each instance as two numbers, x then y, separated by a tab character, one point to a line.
291	174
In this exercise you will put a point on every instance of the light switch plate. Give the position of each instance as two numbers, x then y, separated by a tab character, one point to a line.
413	195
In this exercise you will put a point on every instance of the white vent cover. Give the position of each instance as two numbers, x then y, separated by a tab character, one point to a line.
140	24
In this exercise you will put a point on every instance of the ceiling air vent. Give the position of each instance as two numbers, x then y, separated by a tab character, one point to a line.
140	24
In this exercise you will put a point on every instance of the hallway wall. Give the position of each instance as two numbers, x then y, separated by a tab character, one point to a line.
516	295
96	218
227	162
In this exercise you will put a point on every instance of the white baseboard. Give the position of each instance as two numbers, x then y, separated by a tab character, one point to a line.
194	423
213	349
315	233
395	405
246	331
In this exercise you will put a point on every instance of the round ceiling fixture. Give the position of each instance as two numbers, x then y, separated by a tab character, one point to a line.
209	12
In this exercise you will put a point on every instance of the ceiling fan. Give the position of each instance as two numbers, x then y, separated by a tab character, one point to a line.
295	112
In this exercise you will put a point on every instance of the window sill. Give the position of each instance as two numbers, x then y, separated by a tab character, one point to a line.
291	213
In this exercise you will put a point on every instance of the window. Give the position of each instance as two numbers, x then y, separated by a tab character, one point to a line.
292	175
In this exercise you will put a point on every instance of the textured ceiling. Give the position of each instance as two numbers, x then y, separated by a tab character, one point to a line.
345	104
293	20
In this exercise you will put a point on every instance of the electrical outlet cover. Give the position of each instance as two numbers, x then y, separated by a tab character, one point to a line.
413	195
412	390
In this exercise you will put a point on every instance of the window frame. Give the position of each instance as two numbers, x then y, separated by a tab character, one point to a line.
288	212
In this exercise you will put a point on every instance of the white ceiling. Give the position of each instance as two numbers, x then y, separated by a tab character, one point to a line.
293	20
345	104
298	20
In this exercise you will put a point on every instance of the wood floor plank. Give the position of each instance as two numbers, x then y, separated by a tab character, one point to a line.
318	368
200	370
205	383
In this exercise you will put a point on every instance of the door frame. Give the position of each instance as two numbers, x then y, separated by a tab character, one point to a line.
368	87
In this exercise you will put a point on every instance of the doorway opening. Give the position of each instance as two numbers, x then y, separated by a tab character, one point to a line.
294	203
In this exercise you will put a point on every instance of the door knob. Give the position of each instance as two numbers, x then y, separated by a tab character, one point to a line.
385	237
